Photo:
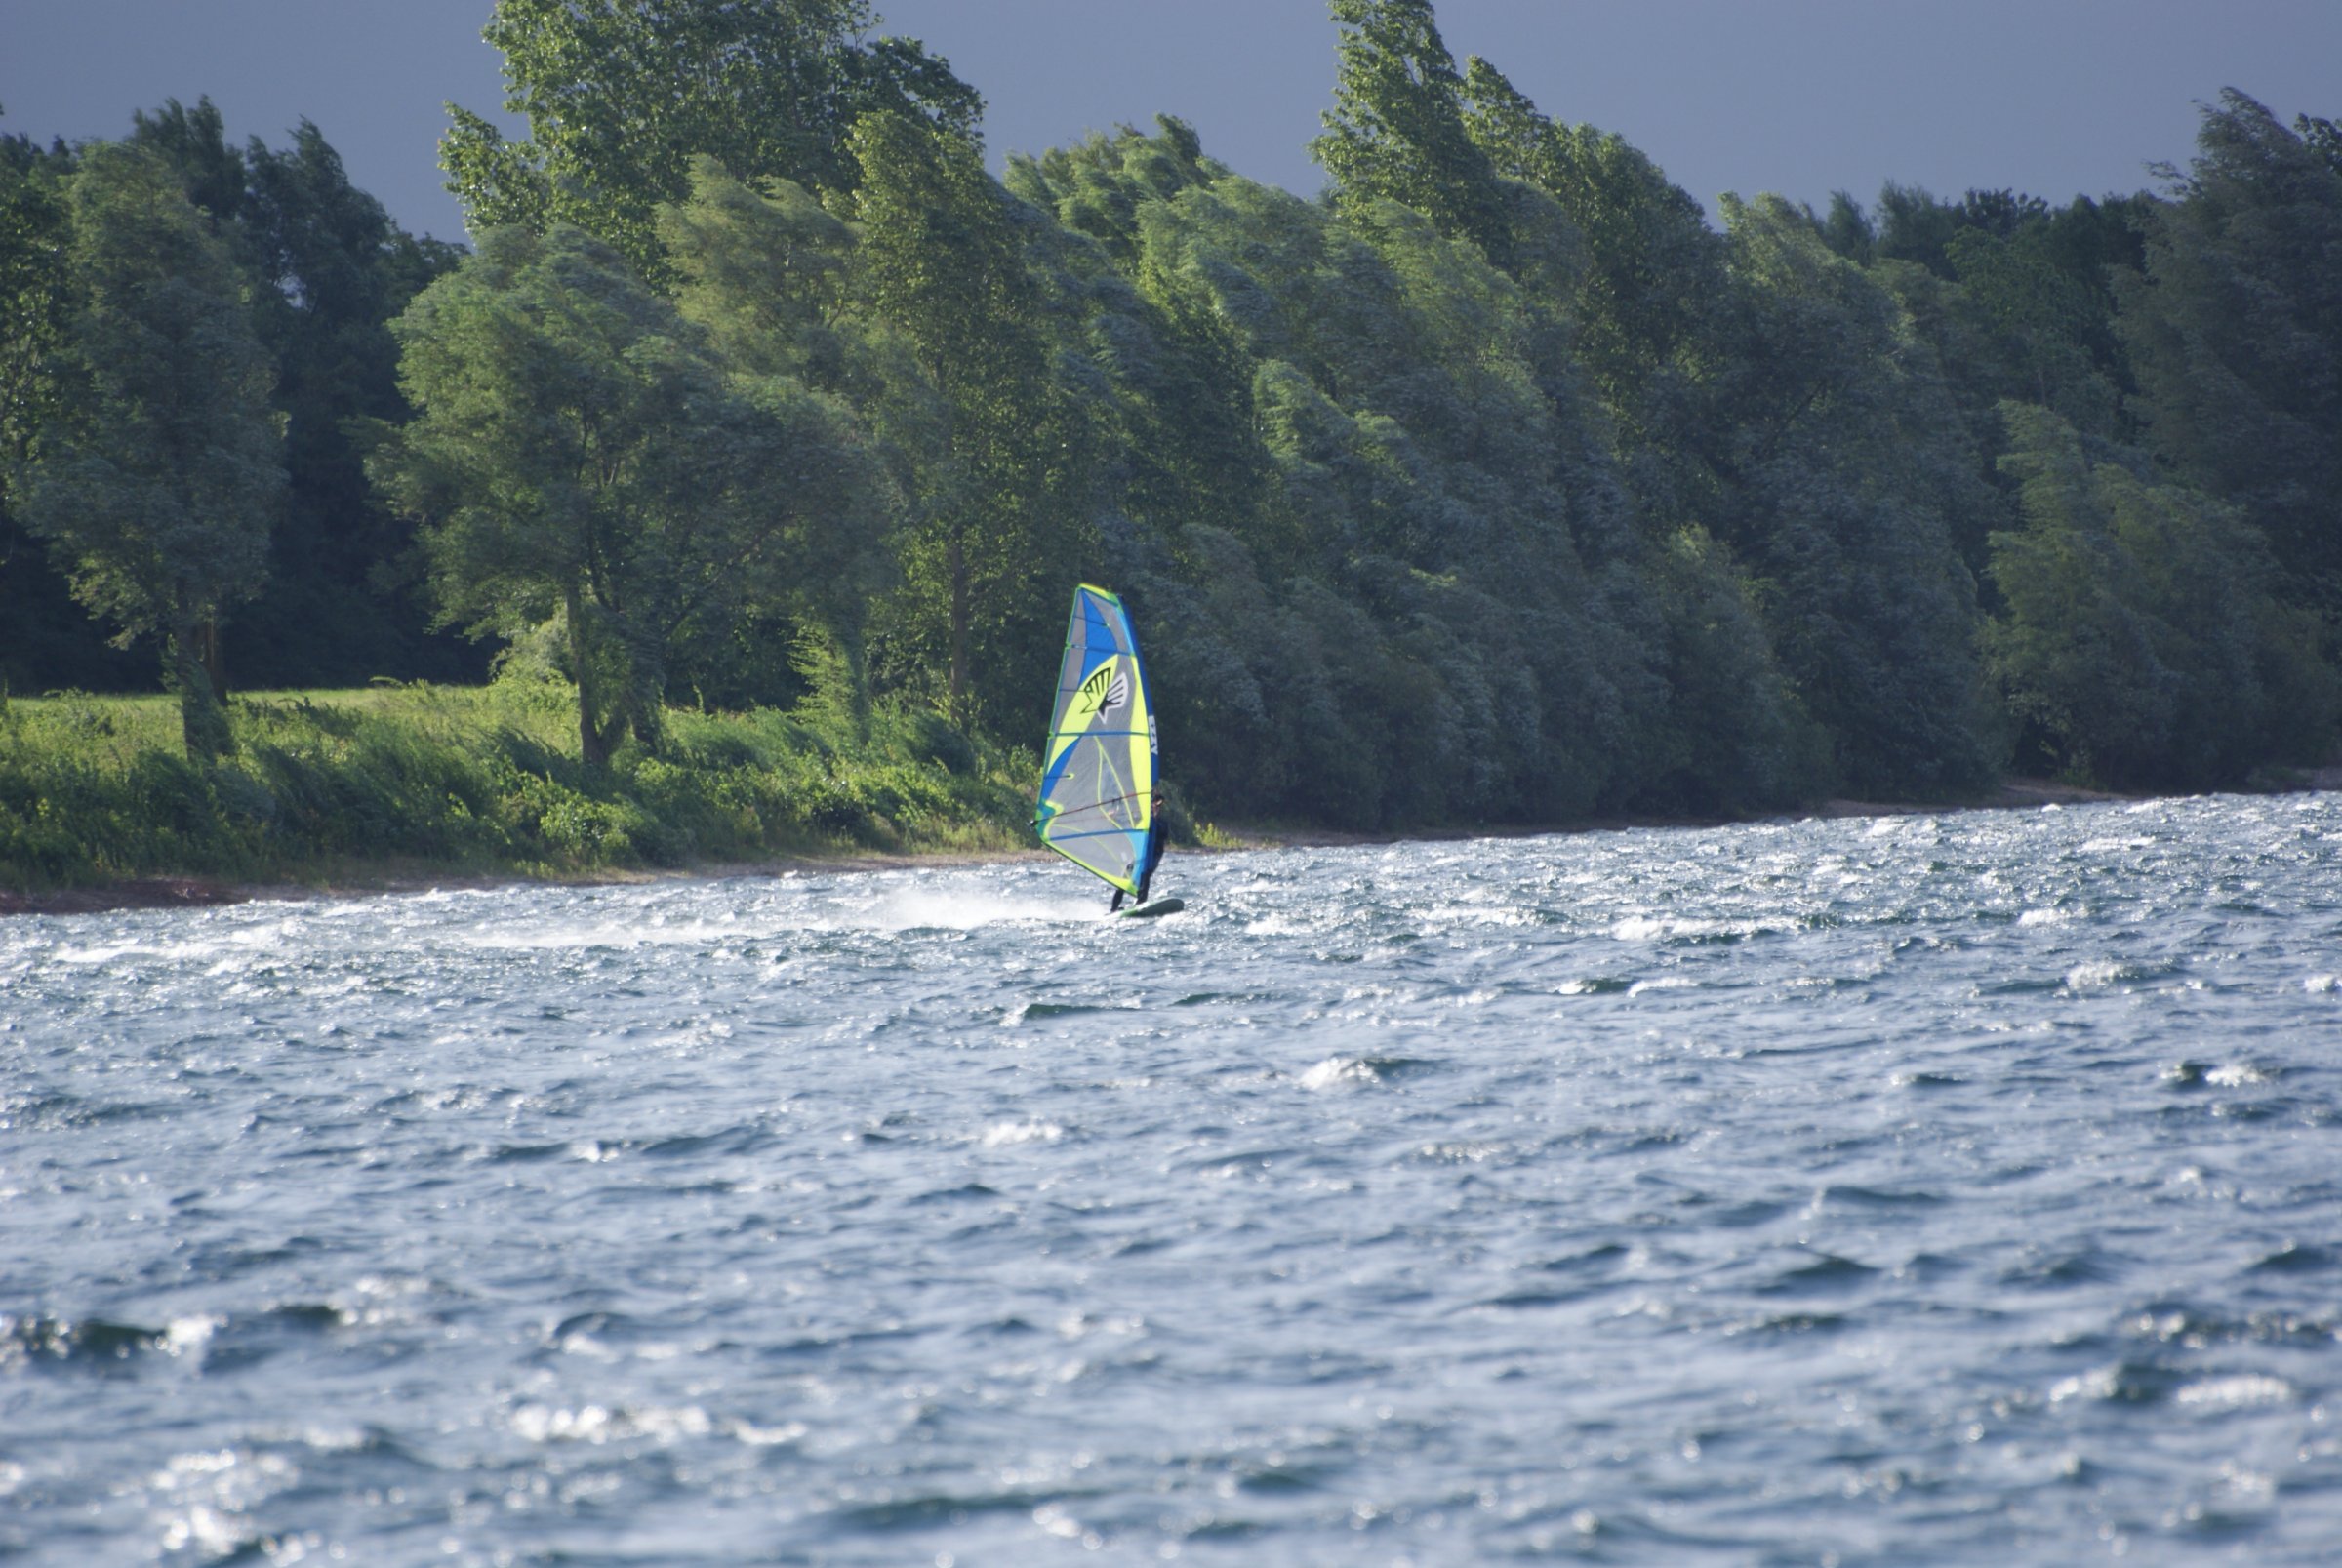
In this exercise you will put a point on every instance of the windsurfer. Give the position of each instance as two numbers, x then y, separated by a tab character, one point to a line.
1155	856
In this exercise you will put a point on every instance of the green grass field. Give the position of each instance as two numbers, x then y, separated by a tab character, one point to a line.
390	781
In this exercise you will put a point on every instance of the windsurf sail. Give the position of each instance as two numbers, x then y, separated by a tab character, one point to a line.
1097	800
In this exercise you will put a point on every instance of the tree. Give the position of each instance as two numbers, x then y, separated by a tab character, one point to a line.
620	95
158	489
327	270
52	641
767	274
34	233
1847	477
1848	229
1645	302
578	459
1397	130
1915	225
332	271
998	499
2140	639
2234	328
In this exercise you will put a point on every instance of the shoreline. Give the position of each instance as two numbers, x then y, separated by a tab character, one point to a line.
197	892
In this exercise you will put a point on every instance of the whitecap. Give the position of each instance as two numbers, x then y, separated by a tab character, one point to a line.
600	934
2091	975
103	955
1468	1153
754	1437
2236	1075
187	1336
1339	1069
599	1424
2099	1385
1008	1133
2234	1392
1644	928
211	1533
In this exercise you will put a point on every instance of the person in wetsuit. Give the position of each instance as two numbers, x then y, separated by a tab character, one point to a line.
1147	864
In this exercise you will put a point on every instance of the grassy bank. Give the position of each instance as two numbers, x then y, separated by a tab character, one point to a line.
404	780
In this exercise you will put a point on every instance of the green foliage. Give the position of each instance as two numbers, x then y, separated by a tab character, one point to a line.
1396	131
622	94
326	784
332	271
50	639
2141	637
2235	328
993	446
1644	304
1495	486
323	269
1850	481
161	469
578	453
35	298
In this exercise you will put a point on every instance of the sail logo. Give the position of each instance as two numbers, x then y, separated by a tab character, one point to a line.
1106	689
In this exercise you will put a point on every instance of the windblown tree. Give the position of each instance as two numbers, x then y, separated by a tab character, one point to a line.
2142	640
767	275
161	469
579	460
34	233
1847	479
51	640
1397	130
997	504
2236	329
620	95
326	270
1644	304
333	270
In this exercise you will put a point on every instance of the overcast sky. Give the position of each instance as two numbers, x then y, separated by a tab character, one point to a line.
2056	98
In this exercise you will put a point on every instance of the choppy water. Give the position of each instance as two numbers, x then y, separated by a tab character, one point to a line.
1961	1188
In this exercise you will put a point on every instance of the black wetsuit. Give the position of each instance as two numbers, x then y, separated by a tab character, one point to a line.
1153	857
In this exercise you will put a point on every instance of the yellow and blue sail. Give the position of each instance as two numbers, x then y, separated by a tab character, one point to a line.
1097	799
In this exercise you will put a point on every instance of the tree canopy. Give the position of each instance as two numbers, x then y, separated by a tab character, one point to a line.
1497	483
620	95
158	478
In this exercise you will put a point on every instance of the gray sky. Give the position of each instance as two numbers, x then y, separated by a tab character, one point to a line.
2057	97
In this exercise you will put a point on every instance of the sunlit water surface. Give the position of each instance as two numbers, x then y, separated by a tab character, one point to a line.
1961	1188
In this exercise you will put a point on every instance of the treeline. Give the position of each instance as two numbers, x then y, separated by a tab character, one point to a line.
1493	485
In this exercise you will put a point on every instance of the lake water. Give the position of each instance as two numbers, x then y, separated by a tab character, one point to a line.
1961	1189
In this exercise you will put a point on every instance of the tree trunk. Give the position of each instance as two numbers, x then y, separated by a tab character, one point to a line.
202	721
957	560
207	649
646	697
595	739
